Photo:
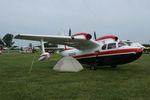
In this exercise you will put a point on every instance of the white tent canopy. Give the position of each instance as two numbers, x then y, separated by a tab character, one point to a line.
68	64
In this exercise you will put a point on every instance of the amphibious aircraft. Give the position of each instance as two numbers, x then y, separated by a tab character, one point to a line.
107	50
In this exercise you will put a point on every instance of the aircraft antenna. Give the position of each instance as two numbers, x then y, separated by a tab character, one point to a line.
69	31
95	35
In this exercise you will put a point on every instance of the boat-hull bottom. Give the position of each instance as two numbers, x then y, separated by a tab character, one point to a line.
111	59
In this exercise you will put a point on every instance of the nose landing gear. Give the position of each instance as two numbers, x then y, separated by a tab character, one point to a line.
93	65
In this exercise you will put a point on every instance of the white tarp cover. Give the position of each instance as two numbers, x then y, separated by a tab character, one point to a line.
68	64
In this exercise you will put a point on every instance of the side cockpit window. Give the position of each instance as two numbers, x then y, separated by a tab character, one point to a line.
111	45
104	47
121	43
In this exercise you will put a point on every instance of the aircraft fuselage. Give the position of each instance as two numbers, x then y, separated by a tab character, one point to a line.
106	54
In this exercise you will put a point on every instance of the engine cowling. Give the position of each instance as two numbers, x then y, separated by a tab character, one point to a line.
44	56
108	37
87	36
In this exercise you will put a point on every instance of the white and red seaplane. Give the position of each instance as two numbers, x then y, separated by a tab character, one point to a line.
107	50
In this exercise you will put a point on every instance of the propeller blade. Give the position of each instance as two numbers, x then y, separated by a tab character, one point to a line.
69	31
95	35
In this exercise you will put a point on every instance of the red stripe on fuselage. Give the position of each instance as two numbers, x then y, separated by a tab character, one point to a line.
68	49
110	52
44	55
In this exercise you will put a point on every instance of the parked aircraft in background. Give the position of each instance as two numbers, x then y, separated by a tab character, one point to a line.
107	50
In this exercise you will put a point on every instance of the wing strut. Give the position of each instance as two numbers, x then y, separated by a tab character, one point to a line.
42	46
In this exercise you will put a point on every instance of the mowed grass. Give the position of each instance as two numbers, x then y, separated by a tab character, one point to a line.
126	82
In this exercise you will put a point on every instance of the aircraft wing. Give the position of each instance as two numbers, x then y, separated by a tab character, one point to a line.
80	43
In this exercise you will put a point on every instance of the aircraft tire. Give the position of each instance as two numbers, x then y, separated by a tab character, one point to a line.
92	68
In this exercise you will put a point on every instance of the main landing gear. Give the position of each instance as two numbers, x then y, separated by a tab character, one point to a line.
93	66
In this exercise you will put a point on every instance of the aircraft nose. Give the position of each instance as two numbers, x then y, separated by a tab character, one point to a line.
139	50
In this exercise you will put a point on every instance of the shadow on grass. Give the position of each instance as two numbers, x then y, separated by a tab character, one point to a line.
134	68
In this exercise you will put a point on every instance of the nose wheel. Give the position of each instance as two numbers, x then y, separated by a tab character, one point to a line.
93	68
93	65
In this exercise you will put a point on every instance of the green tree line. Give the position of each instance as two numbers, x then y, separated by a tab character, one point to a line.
7	40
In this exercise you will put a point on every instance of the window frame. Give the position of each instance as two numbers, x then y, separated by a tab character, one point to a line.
105	47
122	43
115	44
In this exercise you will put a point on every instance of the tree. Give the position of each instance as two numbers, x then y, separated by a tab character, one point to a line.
1	42
146	45
30	45
8	40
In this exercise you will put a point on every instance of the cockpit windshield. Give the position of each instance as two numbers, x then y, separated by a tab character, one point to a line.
121	43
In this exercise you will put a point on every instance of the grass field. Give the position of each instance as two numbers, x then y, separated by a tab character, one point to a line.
126	82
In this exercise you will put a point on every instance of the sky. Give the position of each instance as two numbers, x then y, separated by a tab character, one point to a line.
127	19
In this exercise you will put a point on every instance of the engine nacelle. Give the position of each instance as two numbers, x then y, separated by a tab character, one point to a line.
44	56
87	36
108	37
